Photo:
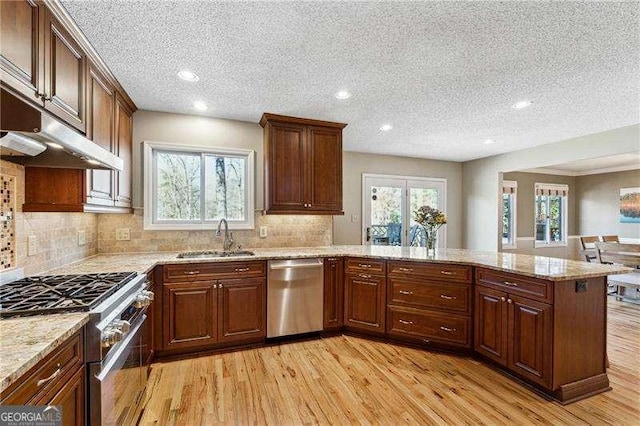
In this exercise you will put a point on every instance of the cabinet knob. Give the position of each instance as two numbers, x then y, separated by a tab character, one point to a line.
509	301
215	286
503	299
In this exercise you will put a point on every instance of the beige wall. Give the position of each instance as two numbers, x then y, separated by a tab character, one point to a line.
481	178
598	206
355	164
194	130
526	196
56	233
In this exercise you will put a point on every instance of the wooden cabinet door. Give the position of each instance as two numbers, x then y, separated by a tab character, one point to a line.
530	339
100	129
65	71
285	164
323	163
242	313
490	337
189	314
333	293
365	303
72	399
124	147
21	53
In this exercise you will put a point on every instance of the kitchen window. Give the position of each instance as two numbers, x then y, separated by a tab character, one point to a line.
194	187
509	227
550	214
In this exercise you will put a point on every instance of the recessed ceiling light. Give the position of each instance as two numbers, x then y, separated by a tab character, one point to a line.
386	127
200	106
54	145
489	141
187	75
343	94
521	104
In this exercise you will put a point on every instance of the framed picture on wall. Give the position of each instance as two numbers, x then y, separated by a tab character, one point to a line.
629	205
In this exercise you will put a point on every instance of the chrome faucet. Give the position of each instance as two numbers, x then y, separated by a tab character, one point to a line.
228	236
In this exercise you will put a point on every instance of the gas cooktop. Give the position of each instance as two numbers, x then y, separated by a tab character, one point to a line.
59	293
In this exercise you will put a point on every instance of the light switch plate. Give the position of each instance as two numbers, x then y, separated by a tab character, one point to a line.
123	234
82	237
354	218
263	232
32	245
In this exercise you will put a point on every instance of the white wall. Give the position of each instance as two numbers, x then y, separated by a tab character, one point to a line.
355	164
481	178
194	130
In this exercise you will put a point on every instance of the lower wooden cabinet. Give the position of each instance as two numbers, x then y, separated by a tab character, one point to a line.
365	302
210	311
190	314
71	398
333	317
241	309
515	332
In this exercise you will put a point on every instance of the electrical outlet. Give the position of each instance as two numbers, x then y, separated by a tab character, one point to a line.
32	245
354	218
82	237
263	232
123	234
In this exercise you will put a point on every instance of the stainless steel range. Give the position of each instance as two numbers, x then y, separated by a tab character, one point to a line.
114	340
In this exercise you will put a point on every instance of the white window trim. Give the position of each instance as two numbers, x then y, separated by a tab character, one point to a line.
150	194
565	208
512	184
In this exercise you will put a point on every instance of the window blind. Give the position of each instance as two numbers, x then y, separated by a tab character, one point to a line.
509	187
550	189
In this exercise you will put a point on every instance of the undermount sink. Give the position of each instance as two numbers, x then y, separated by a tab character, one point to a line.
203	254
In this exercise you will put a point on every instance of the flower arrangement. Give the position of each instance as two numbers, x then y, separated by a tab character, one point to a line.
431	220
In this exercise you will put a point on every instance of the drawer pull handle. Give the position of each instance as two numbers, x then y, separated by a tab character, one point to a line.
365	276
444	296
242	269
364	265
401	321
191	272
511	284
51	377
408	270
447	273
448	329
405	292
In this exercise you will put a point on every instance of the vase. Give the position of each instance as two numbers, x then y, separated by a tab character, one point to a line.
430	241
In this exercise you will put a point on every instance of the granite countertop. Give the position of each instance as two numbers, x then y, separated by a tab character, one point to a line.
25	341
549	268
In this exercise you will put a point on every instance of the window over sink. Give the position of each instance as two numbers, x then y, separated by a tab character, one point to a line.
191	187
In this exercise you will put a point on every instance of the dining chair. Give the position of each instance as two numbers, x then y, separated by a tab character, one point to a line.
610	239
621	254
588	245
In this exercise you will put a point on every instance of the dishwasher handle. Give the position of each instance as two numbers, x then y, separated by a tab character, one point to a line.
295	264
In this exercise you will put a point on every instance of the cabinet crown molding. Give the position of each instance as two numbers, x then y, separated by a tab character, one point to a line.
267	117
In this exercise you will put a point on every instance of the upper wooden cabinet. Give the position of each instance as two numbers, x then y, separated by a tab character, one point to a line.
124	150
21	52
65	68
303	165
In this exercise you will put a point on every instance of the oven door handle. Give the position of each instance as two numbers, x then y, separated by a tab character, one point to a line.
123	345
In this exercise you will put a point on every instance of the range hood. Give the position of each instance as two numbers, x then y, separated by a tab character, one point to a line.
32	137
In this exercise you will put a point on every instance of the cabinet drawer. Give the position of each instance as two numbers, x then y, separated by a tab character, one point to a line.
439	271
516	284
429	326
213	270
426	294
48	374
369	266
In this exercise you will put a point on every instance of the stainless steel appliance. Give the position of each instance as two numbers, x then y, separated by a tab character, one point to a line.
294	297
117	305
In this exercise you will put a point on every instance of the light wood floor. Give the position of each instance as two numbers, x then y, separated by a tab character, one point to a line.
346	380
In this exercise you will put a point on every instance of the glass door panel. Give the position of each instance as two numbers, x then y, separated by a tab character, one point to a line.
424	193
384	206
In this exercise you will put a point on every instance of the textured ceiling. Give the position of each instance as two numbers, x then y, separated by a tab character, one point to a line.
444	74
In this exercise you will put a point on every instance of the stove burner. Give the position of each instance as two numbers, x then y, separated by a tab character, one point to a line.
59	293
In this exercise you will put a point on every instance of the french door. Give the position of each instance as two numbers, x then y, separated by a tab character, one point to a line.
388	206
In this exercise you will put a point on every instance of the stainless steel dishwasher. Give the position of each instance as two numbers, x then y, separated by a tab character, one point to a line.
294	297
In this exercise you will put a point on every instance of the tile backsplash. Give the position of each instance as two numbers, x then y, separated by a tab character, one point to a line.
283	231
7	222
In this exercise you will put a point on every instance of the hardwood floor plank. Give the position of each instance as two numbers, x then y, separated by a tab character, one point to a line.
349	380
